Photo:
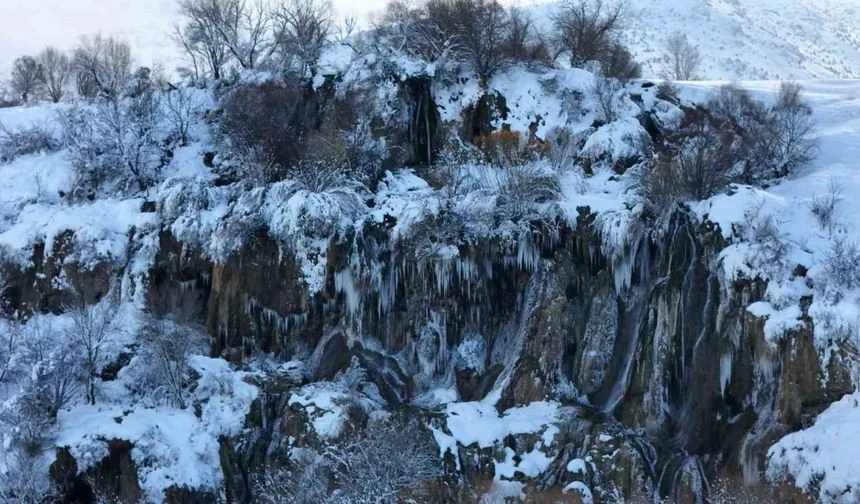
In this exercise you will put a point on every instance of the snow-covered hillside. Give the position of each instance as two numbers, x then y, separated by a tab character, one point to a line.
747	39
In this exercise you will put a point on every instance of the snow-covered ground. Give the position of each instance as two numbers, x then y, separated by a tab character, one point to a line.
746	39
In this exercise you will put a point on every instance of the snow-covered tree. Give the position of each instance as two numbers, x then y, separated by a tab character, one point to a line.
116	145
94	329
166	345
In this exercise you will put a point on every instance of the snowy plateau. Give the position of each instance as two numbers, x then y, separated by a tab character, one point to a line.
532	328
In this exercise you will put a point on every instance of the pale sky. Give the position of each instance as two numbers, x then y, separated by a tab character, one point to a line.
27	26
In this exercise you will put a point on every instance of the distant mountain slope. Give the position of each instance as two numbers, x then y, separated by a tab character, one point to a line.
747	39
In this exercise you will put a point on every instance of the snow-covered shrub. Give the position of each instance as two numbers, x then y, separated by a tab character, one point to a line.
387	458
165	347
696	168
94	330
379	464
24	141
23	480
841	265
51	374
304	480
523	189
116	145
823	207
764	231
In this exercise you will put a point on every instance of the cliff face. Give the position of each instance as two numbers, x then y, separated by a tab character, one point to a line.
650	341
570	344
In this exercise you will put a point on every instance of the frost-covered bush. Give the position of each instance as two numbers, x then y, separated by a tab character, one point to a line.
116	145
823	207
523	189
24	141
50	377
773	246
696	168
734	139
165	347
378	464
841	265
305	480
22	479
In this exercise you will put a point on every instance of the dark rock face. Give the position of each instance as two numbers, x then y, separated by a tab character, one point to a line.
653	339
53	279
667	380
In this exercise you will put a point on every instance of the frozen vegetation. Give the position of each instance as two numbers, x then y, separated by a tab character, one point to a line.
392	169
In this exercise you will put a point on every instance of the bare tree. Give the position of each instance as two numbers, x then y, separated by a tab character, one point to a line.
116	141
94	329
23	480
302	28
682	58
605	90
102	66
27	77
586	30
217	27
181	108
57	69
524	43
480	29
166	345
201	39
796	144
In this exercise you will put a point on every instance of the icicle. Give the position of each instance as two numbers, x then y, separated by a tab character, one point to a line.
725	372
344	283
